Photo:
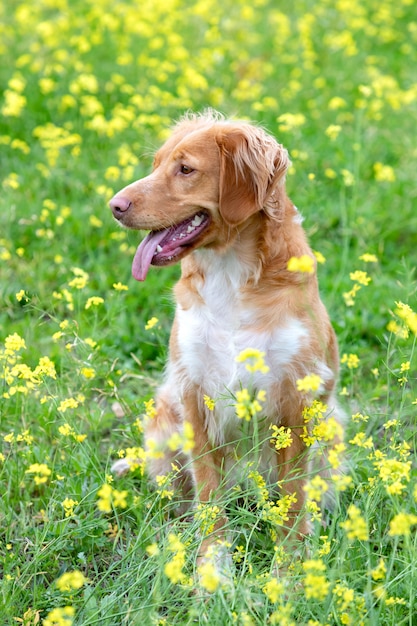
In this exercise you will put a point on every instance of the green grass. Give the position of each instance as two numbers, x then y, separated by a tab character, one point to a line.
90	89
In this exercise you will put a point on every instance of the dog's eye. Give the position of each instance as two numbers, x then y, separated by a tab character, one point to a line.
185	169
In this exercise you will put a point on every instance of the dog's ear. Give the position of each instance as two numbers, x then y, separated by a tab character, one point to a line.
252	164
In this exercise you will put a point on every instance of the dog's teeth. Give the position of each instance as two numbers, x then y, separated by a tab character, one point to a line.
197	220
182	235
190	228
159	248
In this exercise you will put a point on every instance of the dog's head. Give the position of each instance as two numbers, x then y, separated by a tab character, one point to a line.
208	179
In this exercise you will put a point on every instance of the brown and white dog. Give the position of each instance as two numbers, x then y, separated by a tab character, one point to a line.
216	201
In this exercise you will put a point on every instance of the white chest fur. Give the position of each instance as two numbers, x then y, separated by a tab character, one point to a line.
214	331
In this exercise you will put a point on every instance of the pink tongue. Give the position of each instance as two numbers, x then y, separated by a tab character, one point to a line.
145	252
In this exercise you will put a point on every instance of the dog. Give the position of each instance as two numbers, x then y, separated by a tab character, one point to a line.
216	201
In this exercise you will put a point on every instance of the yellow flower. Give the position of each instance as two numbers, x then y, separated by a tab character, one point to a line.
245	406
96	223
400	525
330	173
395	474
278	512
273	590
311	382
41	473
109	496
150	410
281	437
406	313
88	372
120	287
152	549
348	178
45	367
71	580
69	403
66	430
360	277
151	323
319	257
14	343
384	173
206	515
290	121
368	258
104	501
352	360
379	572
21	295
14	103
303	264
255	358
362	441
333	131
163	483
209	402
173	568
209	577
342	481
355	526
69	505
93	301
79	282
119	498
315	488
60	617
336	103
316	586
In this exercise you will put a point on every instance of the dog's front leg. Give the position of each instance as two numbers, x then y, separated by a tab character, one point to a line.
207	468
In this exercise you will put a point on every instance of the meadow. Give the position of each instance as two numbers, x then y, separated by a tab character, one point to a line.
89	91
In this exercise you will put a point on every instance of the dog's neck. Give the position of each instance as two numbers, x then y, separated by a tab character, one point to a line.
263	240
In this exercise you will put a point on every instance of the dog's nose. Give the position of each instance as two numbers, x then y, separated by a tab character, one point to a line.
119	205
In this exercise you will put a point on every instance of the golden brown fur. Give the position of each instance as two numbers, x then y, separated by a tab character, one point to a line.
235	287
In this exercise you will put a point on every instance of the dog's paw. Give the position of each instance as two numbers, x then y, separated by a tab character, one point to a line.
121	467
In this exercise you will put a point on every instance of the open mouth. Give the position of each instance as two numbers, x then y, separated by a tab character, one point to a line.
163	247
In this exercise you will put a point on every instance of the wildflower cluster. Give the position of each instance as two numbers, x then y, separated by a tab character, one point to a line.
108	497
206	515
60	617
20	378
68	431
355	526
281	437
360	279
164	488
41	473
408	318
316	585
173	568
319	426
276	513
247	406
